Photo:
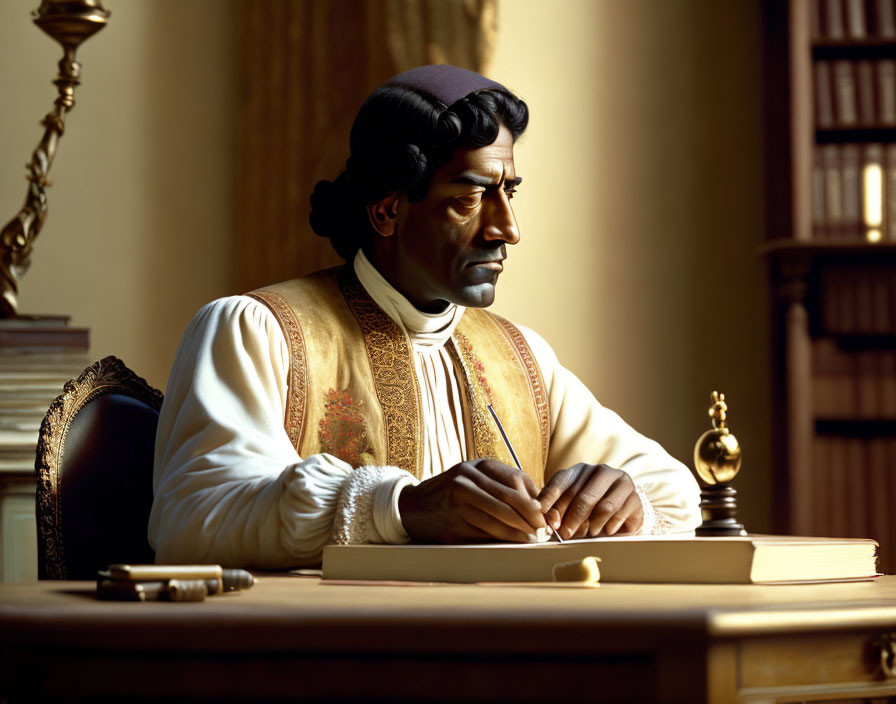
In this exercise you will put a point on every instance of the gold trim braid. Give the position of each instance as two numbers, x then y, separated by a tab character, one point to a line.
297	383
536	383
392	363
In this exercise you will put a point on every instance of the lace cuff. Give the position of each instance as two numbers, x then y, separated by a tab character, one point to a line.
354	521
654	523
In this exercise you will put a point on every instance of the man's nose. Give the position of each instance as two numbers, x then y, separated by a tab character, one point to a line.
500	220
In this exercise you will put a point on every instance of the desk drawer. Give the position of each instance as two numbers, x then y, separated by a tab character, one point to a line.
817	668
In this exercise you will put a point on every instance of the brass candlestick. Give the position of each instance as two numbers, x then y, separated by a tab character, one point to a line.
717	458
69	22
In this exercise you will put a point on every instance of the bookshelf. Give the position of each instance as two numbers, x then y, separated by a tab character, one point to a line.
831	251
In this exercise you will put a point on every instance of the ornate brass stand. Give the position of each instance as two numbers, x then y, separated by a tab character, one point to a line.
69	22
717	458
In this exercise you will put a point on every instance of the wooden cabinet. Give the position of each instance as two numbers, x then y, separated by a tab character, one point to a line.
831	250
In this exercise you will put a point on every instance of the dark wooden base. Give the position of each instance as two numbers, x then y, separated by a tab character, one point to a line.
718	505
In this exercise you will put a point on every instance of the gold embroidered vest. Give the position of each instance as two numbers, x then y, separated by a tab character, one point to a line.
353	390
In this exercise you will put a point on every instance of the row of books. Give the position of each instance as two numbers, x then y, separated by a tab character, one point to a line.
855	93
850	385
37	357
858	301
851	20
854	488
854	192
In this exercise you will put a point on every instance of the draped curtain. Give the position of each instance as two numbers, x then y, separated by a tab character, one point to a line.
305	68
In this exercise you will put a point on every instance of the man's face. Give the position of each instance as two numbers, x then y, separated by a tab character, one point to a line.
450	247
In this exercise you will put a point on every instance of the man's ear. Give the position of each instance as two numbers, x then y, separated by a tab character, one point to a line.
383	215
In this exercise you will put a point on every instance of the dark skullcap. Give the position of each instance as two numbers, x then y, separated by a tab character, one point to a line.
446	83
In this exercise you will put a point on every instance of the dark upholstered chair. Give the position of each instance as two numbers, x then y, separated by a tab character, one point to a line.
94	467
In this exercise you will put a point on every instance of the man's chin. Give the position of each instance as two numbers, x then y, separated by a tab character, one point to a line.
477	296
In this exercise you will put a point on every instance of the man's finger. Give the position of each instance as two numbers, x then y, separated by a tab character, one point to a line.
583	502
581	531
504	504
521	503
508	476
634	522
492	527
553	518
555	487
611	504
630	507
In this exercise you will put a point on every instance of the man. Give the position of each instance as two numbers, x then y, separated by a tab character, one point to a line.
362	404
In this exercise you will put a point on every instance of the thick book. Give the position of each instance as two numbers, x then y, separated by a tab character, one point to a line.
757	559
44	337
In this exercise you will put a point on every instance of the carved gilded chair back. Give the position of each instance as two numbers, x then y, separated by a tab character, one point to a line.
94	473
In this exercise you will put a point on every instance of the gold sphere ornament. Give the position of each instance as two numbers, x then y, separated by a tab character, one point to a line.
717	454
717	458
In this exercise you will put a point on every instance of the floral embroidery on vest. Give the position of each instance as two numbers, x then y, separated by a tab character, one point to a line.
485	441
343	430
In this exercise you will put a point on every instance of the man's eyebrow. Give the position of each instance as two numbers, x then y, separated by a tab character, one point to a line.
469	179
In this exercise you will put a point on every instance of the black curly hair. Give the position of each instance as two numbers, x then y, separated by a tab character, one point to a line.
399	138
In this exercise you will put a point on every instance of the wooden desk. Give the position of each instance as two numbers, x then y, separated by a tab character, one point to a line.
295	637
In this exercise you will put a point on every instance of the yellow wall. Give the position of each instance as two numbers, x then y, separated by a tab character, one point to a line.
139	227
641	209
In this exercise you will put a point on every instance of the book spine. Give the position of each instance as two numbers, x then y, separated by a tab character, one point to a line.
865	82
857	488
889	210
824	100
852	191
880	302
833	194
830	306
888	548
845	291
824	361
845	101
884	19
815	30
855	19
886	92
866	382
821	490
848	385
891	280
819	212
877	498
887	371
833	20
864	301
837	468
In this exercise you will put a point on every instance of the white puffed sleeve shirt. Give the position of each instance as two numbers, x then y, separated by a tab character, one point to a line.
231	489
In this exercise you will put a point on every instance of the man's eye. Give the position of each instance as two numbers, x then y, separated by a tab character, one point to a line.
471	200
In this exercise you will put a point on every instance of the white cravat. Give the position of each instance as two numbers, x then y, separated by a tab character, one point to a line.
444	442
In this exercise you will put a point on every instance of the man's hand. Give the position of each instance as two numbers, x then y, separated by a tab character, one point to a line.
588	500
476	501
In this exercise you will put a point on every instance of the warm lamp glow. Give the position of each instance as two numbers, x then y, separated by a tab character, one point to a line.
873	189
873	235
